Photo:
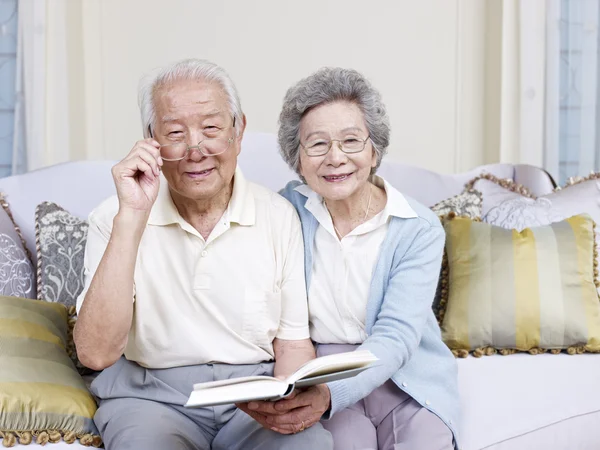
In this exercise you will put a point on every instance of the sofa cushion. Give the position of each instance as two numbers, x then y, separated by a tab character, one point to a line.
17	276
521	290
530	402
41	393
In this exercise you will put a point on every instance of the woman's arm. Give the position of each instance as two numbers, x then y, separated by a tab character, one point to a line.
394	338
398	328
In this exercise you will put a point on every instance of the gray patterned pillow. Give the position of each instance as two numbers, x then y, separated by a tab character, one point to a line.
466	204
60	241
17	277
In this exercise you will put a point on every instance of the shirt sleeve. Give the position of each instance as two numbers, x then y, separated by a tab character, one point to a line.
293	324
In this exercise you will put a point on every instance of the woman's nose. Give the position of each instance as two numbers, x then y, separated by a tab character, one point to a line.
336	156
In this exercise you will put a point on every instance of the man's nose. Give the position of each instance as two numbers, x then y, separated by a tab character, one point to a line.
194	154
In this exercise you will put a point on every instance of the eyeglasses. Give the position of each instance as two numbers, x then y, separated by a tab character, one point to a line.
211	146
321	147
208	147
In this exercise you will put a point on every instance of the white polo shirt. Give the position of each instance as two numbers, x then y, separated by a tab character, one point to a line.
222	300
342	269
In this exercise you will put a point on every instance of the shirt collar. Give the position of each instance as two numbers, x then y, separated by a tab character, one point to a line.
396	204
241	208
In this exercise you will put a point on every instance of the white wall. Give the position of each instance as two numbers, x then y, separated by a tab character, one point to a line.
426	57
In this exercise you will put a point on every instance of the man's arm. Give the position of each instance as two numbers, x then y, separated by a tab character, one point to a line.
104	319
289	355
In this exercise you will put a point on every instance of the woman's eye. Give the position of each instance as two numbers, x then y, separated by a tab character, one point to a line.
318	144
175	133
350	140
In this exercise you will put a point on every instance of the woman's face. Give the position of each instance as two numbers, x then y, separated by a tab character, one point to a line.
336	175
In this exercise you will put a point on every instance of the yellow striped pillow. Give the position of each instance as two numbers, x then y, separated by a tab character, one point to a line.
41	393
533	290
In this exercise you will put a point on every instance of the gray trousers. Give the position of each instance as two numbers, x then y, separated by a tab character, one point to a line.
387	419
142	409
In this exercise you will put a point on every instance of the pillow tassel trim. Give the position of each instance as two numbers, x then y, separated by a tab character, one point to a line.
572	181
42	437
38	249
12	438
490	351
506	183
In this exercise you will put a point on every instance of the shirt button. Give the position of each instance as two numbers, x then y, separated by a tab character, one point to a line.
450	422
404	384
204	253
427	402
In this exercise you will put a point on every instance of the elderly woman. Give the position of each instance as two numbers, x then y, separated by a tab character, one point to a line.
372	260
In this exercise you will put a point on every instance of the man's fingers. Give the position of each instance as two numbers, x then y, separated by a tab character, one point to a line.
295	417
150	160
263	407
148	153
260	418
289	403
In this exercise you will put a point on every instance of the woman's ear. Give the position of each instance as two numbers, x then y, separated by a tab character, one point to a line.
300	165
373	157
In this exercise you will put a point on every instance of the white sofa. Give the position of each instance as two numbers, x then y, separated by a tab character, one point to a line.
517	402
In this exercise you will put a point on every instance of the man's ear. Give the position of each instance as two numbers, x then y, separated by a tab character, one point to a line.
242	128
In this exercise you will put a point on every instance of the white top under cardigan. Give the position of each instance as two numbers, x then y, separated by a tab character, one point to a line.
343	269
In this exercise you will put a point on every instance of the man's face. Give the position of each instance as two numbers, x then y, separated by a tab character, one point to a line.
192	111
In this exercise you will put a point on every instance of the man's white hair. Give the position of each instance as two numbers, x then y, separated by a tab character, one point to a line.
187	69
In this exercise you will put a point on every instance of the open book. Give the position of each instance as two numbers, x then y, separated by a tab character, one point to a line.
317	371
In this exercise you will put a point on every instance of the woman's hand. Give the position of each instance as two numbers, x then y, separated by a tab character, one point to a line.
295	413
137	177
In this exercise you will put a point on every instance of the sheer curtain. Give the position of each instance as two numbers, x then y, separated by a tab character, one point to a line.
42	85
572	144
12	153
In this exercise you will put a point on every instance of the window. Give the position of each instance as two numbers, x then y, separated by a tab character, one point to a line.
8	65
579	97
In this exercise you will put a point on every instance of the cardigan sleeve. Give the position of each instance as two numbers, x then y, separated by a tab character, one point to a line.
399	325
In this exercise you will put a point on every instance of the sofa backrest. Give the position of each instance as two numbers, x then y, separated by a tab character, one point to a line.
79	186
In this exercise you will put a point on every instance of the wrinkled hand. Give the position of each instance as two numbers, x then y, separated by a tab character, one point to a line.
295	413
137	177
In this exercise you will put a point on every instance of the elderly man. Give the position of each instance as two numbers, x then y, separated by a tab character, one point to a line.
193	275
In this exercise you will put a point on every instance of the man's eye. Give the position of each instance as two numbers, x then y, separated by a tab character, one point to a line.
175	133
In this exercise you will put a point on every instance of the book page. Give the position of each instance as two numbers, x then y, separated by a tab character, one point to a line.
230	381
256	389
332	364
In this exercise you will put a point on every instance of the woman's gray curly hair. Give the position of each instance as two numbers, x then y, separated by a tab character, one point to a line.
328	85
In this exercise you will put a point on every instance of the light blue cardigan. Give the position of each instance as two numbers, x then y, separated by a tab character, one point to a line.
401	328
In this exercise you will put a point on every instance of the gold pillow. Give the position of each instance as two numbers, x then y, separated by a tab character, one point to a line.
533	290
42	397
